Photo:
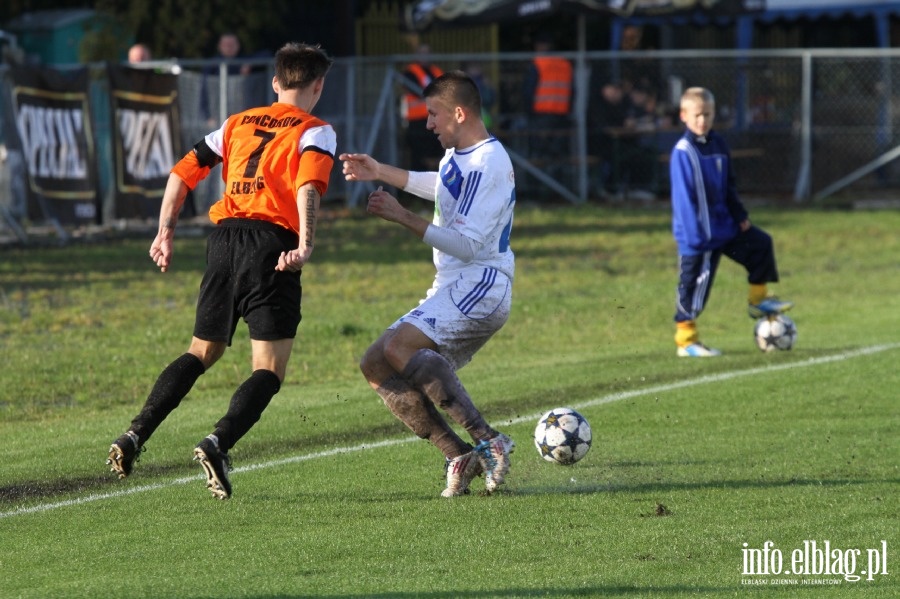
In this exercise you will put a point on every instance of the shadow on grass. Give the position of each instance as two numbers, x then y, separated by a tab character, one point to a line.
38	490
145	471
655	486
594	591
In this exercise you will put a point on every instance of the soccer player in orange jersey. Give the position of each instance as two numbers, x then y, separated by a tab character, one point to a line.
276	162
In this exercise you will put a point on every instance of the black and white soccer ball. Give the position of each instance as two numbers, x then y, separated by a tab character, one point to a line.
562	436
774	333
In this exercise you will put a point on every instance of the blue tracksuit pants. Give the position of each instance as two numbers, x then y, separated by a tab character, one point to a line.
752	249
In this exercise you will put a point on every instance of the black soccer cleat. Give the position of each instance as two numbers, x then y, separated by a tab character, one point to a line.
123	453
216	465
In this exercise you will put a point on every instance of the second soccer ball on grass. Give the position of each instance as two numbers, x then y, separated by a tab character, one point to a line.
774	333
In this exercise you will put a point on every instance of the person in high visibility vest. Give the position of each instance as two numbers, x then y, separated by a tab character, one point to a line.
424	148
548	92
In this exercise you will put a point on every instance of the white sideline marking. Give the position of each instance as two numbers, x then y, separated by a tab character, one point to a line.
724	376
712	378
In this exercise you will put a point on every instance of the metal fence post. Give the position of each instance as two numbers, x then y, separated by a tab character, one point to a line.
801	189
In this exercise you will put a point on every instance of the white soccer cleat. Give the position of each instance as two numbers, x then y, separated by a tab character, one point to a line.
460	472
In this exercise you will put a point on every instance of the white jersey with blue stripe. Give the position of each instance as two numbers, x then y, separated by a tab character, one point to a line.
475	195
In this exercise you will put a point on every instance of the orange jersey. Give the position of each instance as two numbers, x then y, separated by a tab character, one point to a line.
267	154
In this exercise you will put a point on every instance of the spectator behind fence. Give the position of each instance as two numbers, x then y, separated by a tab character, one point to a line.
606	118
139	53
638	148
709	221
228	50
487	91
641	71
425	150
548	89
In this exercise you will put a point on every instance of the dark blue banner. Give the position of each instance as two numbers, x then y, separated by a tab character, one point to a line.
52	117
146	137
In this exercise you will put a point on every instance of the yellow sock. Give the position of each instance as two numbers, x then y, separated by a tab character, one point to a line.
686	333
758	293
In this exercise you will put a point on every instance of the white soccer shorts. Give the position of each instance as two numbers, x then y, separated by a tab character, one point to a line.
462	313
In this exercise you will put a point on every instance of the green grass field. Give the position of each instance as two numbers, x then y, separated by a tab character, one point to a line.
695	466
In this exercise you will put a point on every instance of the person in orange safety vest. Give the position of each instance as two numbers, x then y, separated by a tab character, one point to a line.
548	93
425	150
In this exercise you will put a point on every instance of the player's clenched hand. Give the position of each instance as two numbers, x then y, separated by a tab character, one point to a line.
359	167
161	251
383	204
293	260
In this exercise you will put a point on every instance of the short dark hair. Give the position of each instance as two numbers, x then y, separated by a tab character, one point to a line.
297	65
457	88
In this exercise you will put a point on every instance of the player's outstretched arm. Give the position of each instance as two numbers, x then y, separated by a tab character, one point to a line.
173	199
362	167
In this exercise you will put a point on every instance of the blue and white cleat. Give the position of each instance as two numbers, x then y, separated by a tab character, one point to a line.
494	457
698	350
768	307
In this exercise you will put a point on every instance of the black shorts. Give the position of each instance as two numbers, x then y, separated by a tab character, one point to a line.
241	282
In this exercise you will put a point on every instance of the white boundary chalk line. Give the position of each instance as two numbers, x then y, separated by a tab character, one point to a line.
611	398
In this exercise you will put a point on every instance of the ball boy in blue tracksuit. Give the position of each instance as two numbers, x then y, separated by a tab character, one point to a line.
709	220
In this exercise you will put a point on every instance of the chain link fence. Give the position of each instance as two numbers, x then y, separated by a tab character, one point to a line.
802	124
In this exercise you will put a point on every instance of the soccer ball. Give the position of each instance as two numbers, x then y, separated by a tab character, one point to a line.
562	436
773	333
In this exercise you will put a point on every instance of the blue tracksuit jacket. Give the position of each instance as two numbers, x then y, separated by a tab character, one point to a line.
706	209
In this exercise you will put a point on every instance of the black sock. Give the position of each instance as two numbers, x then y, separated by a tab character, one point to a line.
171	387
246	408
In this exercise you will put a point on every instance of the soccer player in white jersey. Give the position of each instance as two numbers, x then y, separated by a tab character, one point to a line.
413	364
